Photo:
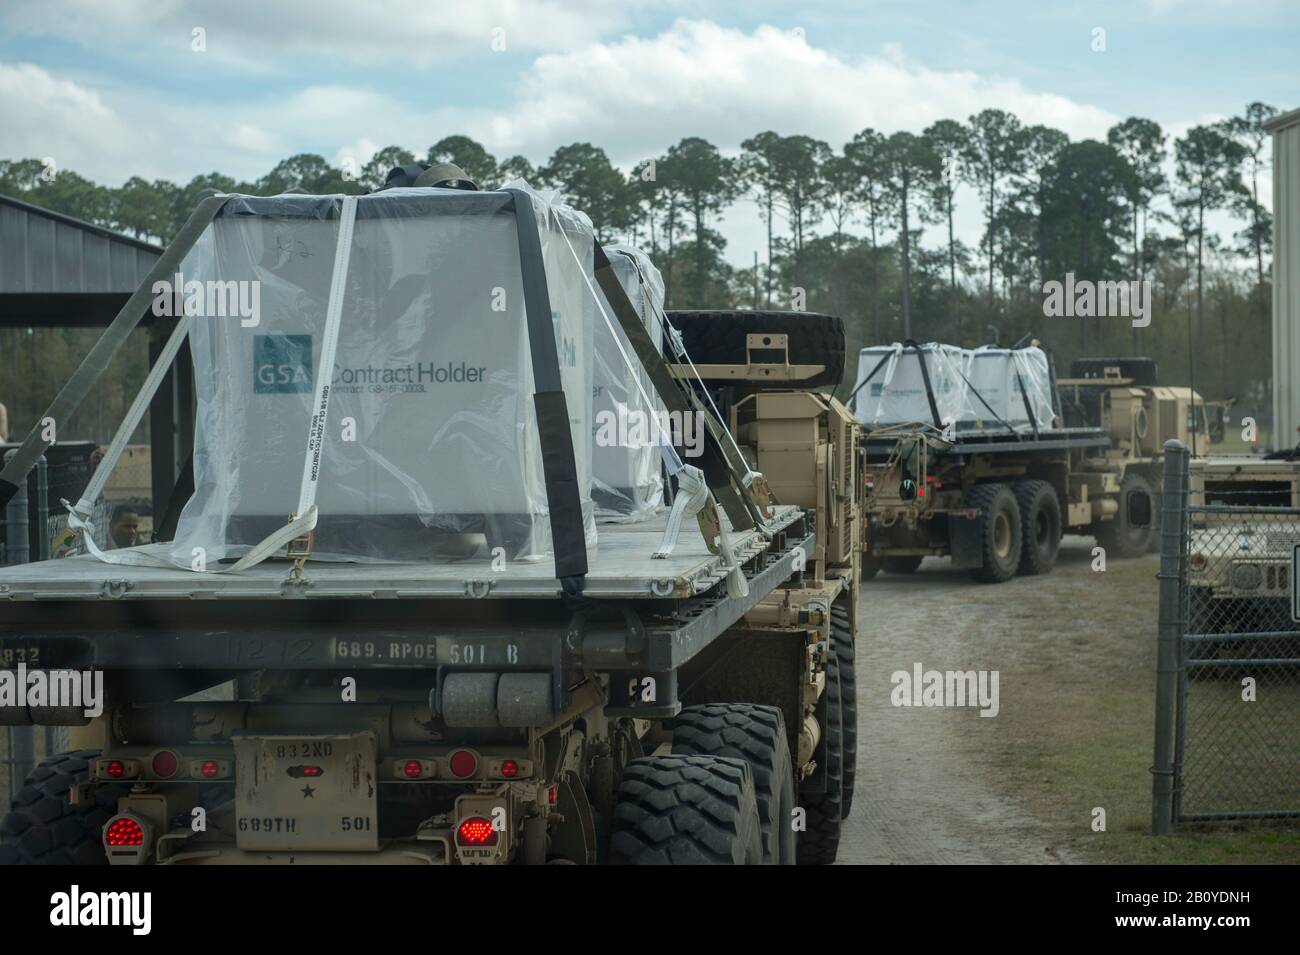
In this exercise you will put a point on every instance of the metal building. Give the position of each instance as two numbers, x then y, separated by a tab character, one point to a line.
1286	277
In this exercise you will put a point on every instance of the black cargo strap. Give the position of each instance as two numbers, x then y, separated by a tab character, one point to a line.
872	374
976	393
559	467
1029	412
96	362
724	475
925	376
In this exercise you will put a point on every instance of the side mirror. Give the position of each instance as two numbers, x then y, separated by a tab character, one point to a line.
1138	505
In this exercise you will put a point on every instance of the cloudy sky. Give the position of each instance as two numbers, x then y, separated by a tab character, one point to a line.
114	89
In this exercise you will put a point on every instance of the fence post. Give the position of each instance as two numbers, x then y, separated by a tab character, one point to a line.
1173	517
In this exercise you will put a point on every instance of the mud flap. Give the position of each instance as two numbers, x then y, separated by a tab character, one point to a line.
965	539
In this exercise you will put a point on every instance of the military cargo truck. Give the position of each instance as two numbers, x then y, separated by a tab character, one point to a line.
442	658
992	467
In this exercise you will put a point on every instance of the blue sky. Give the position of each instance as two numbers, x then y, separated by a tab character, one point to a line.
115	89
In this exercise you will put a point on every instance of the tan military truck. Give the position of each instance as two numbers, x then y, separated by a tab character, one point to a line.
993	474
399	672
1245	525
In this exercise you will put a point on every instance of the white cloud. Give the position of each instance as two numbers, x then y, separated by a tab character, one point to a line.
254	34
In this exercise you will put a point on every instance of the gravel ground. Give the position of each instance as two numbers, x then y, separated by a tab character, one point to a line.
939	785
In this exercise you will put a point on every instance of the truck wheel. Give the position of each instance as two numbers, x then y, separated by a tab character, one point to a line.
1040	526
1118	536
868	568
844	654
717	337
820	840
1000	535
755	734
686	810
903	565
44	828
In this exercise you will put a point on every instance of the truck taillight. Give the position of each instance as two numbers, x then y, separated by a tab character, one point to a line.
165	764
413	769
117	769
509	769
126	839
123	831
476	831
209	768
463	764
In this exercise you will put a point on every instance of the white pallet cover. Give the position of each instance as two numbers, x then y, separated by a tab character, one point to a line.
896	394
627	474
997	374
960	377
433	377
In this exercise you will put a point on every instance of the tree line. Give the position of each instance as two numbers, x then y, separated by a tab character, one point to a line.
866	230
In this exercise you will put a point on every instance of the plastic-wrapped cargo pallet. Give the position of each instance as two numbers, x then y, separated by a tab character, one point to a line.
997	374
896	393
972	388
627	479
431	435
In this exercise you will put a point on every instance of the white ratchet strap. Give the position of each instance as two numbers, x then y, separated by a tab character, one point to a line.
692	497
305	519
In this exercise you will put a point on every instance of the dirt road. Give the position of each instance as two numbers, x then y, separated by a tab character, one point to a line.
927	787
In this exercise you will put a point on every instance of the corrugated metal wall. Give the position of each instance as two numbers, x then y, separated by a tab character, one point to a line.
1286	279
44	252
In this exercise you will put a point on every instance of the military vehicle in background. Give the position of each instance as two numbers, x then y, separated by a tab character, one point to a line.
992	468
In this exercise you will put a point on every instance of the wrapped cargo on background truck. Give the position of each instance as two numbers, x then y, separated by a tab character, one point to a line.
431	433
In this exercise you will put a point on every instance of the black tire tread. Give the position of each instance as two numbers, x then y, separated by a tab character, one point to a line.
982	497
820	841
1028	495
845	654
685	810
756	734
44	828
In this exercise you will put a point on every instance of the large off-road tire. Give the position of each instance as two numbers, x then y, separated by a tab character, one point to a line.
44	828
1118	536
842	636
1040	526
717	337
905	564
1000	532
755	734
686	810
820	840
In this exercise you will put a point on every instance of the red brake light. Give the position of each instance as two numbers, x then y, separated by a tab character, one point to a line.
209	769
463	764
509	769
115	769
165	764
412	769
476	831
124	831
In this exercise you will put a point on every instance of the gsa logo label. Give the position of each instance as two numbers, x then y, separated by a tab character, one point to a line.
281	364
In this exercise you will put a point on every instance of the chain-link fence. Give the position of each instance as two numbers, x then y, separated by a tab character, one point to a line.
1228	688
